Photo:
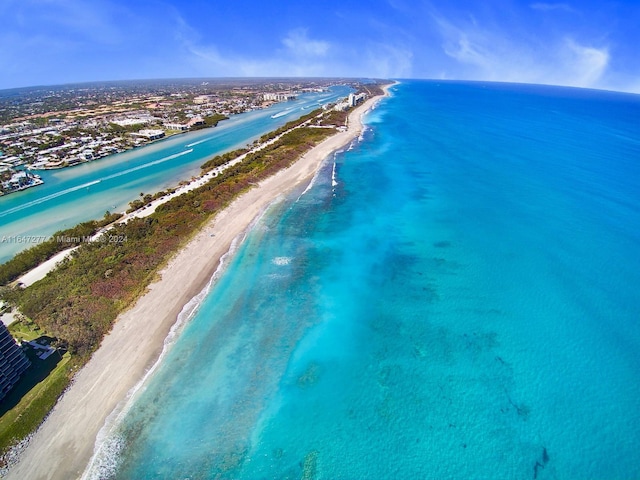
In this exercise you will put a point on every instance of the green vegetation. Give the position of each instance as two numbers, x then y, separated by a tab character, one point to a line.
33	397
372	89
78	302
147	199
25	330
289	125
222	159
40	121
212	120
227	157
334	117
119	129
55	141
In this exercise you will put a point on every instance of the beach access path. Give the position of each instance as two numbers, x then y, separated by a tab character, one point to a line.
63	446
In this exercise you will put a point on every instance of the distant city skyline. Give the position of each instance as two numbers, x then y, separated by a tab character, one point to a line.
589	44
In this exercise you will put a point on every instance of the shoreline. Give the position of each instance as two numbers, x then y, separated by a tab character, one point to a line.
64	444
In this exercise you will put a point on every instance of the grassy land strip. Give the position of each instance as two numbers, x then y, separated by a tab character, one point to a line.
78	302
52	376
23	409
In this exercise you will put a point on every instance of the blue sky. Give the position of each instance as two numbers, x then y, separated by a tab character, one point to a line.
587	44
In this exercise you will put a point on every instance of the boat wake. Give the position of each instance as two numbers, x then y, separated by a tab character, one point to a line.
189	145
47	198
89	184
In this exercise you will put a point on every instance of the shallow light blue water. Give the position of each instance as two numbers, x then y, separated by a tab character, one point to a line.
73	195
461	304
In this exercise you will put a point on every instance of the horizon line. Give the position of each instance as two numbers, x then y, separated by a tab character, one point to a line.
291	78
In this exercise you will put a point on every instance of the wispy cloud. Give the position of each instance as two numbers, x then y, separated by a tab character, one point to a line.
536	42
492	54
299	44
98	21
57	41
586	65
299	54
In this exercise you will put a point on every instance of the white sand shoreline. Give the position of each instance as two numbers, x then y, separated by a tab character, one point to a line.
64	444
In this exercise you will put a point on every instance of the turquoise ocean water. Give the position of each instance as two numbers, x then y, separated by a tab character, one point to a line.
85	192
456	296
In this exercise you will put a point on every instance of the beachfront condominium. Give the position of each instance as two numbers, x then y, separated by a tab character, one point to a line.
13	361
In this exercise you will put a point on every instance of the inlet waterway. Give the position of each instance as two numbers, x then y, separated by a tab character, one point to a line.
73	195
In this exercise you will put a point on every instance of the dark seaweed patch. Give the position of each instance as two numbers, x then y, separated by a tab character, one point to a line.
541	463
442	244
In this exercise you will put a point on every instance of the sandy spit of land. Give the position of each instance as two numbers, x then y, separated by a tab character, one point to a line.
64	444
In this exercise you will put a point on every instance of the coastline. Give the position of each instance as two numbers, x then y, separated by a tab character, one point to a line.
64	444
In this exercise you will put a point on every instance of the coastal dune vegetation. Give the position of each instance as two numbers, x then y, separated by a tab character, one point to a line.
78	302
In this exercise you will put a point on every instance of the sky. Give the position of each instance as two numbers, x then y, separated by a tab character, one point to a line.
590	43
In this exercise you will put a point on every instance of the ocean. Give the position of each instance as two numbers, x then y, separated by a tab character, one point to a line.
455	296
85	192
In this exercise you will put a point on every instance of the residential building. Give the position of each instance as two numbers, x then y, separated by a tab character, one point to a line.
176	126
151	134
13	361
353	99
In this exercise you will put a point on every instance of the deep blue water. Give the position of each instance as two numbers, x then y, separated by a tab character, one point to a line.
461	303
85	192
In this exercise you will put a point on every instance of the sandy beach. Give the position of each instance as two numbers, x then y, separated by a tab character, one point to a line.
64	444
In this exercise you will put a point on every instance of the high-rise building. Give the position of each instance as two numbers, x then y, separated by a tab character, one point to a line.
353	99
13	361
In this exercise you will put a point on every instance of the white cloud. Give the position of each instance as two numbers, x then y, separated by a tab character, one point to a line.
103	39
300	55
586	65
483	54
464	50
299	44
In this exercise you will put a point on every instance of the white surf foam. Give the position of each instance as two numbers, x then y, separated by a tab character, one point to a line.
108	445
310	186
281	261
